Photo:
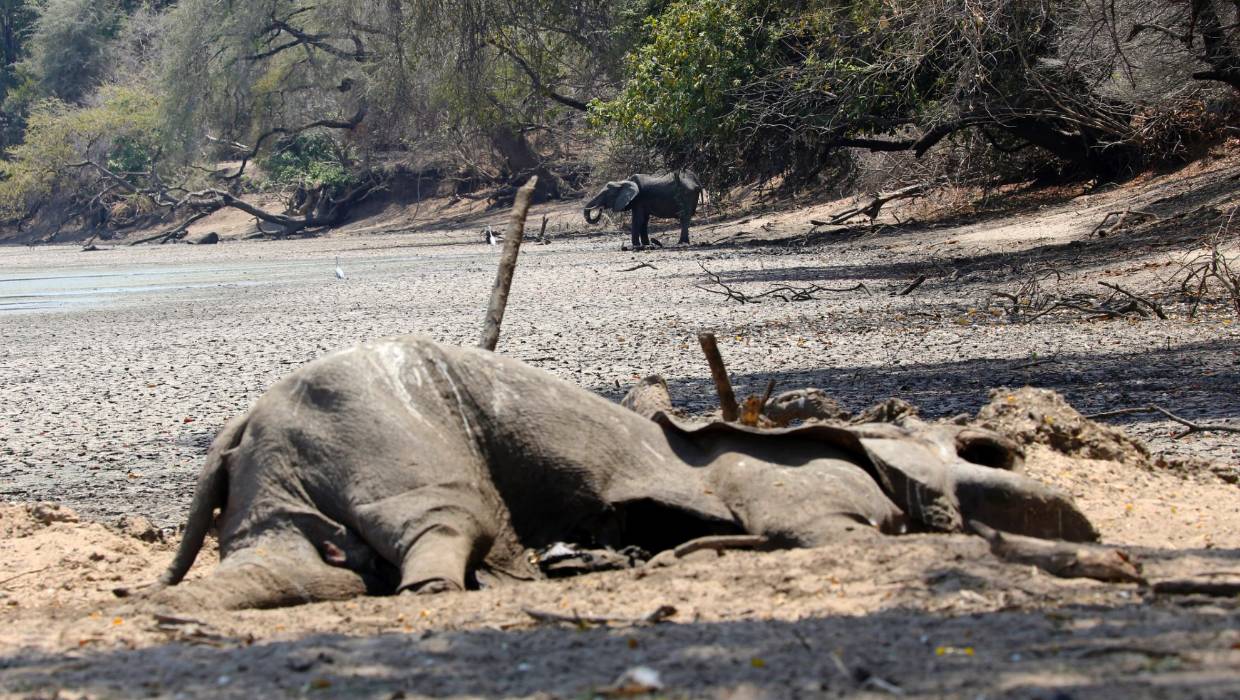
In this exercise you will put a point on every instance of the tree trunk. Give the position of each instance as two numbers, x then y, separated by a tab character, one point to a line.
1220	52
523	161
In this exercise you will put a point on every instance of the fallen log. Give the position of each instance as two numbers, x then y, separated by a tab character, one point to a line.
875	205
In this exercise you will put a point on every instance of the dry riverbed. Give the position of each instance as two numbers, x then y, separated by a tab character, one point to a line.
118	366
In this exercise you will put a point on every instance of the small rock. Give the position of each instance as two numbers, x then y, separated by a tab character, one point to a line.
210	238
138	527
48	513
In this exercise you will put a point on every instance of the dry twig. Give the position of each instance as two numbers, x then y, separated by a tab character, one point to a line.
1190	426
1158	310
872	208
783	292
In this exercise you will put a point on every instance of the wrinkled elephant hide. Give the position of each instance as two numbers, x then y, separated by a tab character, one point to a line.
403	465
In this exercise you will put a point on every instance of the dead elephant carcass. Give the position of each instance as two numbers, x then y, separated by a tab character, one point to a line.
406	465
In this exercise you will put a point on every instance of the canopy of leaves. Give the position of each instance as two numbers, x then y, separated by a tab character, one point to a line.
123	131
741	88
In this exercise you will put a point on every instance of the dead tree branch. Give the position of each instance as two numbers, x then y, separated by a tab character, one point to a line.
1117	221
875	205
1158	310
783	292
912	286
719	373
507	266
1190	426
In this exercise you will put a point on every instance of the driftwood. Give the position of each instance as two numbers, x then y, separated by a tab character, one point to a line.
719	373
875	205
507	266
1063	559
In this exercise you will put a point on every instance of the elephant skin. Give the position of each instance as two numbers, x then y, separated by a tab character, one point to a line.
404	465
670	196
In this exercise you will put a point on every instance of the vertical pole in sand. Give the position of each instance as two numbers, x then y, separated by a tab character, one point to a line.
719	372
507	265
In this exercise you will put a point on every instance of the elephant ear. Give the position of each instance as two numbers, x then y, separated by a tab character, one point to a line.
628	190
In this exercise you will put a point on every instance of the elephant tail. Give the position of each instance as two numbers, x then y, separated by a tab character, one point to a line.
211	493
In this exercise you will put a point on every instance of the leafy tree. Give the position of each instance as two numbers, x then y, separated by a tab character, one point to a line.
744	89
122	130
68	51
16	19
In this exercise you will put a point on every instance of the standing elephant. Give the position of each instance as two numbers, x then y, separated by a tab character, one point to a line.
671	196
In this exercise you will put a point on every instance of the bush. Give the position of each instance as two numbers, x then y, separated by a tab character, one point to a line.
310	161
120	132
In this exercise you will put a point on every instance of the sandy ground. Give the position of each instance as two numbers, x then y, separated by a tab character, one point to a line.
111	391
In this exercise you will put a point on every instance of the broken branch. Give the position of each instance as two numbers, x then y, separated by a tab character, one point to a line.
719	373
1190	426
912	286
1158	310
507	265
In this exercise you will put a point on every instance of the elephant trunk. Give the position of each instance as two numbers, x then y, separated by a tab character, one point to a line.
598	214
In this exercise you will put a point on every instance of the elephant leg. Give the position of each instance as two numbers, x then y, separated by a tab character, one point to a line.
684	230
635	230
645	229
277	570
435	534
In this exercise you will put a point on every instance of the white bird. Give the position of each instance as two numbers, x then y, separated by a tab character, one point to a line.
339	272
492	237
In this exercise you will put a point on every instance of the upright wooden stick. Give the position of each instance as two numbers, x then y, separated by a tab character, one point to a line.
507	265
718	372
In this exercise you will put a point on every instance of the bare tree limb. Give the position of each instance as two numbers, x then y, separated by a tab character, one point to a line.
1190	426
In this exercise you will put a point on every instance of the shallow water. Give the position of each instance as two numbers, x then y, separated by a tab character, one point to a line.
73	287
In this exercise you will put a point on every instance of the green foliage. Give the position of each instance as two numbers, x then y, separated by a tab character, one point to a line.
309	160
679	81
69	45
121	131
